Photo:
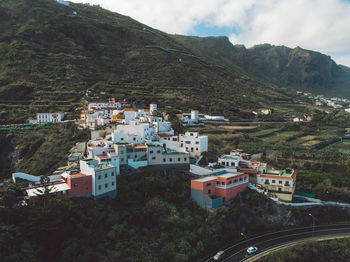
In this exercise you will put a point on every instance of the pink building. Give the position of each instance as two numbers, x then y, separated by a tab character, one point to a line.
213	191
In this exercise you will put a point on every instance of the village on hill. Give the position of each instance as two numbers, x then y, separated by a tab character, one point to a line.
125	139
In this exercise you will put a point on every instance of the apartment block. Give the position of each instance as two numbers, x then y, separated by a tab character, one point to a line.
279	183
212	191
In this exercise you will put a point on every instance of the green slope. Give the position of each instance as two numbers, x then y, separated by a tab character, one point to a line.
49	57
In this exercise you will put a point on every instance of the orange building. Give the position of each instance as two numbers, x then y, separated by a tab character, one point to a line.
213	191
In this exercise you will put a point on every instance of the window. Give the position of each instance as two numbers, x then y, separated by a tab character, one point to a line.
164	160
75	184
112	173
209	191
230	182
245	178
222	183
191	134
273	181
191	149
151	152
106	185
185	159
64	192
197	143
279	189
135	156
280	182
134	139
99	187
99	177
122	139
122	159
85	182
106	175
240	179
273	188
179	159
286	189
170	160
112	183
153	158
208	184
217	183
188	142
158	151
197	149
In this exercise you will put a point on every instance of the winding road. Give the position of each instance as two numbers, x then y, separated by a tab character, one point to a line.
237	252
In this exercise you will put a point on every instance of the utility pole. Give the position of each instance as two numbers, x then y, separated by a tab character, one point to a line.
313	224
245	238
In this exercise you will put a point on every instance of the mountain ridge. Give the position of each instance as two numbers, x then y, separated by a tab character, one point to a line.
52	54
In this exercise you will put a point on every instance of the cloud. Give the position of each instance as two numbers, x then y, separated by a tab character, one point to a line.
320	25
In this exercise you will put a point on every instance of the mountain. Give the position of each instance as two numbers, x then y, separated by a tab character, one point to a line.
52	54
297	68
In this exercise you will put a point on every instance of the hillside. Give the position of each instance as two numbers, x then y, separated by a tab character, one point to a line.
296	69
51	54
50	57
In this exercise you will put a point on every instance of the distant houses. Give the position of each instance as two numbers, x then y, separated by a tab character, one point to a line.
43	118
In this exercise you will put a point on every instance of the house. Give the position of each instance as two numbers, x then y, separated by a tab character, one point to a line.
104	182
76	153
49	117
212	191
280	183
194	143
144	130
65	185
160	157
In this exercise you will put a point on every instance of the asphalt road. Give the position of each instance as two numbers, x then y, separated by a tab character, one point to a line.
264	242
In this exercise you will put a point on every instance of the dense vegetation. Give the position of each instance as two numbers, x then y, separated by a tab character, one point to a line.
323	251
152	219
38	151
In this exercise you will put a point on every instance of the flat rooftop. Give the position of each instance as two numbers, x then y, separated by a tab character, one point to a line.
279	173
229	175
229	157
206	179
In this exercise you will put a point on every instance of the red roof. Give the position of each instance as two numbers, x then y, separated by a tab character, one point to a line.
131	109
164	135
140	146
77	175
102	156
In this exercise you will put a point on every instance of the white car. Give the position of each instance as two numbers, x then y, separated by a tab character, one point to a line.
251	250
219	255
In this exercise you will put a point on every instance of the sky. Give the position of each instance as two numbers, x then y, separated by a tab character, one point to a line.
319	25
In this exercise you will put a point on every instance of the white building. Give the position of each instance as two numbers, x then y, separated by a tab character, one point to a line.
104	182
146	130
153	108
49	117
99	147
231	160
111	159
194	143
122	138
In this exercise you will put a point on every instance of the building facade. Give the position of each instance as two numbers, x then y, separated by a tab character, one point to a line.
212	191
279	183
